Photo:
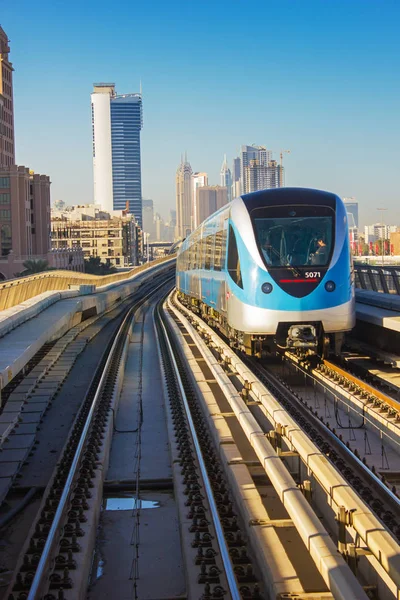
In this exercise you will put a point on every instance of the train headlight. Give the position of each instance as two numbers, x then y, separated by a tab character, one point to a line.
330	286
267	288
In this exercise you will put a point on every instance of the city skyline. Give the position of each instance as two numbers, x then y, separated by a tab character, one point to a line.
335	108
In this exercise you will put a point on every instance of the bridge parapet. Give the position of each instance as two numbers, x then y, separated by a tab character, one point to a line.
16	291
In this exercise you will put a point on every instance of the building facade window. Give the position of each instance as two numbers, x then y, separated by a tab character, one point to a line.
5	198
5	239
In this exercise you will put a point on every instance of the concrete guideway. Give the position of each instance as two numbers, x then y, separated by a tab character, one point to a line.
75	490
22	343
299	515
134	503
365	523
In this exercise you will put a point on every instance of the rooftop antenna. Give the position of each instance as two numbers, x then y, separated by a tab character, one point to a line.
140	87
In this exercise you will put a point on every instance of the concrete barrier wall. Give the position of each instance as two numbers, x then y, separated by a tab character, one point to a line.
17	291
11	318
70	314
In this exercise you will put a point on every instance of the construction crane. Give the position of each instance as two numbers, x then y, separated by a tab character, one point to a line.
281	153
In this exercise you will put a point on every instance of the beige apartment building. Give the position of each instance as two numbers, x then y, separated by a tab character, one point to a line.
116	241
25	223
7	146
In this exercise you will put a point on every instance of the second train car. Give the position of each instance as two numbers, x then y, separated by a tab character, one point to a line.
273	271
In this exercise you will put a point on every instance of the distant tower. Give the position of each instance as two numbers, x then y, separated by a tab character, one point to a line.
116	126
209	199
351	205
262	177
248	154
7	144
198	180
184	199
236	190
226	178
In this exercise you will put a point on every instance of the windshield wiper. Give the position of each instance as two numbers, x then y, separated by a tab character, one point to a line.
293	269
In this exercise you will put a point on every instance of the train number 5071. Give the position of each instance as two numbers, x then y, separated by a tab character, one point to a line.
312	274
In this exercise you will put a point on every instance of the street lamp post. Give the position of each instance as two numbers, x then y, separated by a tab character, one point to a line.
381	210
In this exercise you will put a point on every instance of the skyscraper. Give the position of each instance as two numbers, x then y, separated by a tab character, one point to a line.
7	146
226	178
261	177
198	180
209	199
148	219
351	205
116	124
184	197
236	189
249	153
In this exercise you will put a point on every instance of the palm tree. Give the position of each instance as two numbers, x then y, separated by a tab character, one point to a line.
94	266
33	266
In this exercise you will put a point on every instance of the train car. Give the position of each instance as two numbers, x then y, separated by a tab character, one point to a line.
273	271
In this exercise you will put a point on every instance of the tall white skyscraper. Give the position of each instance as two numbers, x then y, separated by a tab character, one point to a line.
198	180
184	199
226	178
116	126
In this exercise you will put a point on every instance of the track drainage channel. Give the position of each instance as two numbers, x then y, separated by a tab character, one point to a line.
128	501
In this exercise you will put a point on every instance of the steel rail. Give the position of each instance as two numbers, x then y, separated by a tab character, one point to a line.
328	432
364	521
229	571
41	569
331	565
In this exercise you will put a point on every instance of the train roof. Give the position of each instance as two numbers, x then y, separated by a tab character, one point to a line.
290	196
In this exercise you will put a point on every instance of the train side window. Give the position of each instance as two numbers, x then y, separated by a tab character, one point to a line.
218	251
190	258
233	259
203	252
209	245
223	244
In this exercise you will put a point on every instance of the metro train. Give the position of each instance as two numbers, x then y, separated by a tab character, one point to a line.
273	271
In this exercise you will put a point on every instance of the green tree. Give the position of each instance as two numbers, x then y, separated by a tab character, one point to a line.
94	266
33	266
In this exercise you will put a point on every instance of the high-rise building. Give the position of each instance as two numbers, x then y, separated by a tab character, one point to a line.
148	219
116	125
226	178
251	153
378	231
351	205
236	185
209	199
184	199
7	145
24	212
198	180
261	177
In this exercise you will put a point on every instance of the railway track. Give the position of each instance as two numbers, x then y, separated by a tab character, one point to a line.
381	499
263	507
281	411
65	523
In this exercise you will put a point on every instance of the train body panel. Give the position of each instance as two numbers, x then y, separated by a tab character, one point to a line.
253	267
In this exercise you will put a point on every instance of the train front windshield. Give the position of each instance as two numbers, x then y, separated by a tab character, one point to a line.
296	239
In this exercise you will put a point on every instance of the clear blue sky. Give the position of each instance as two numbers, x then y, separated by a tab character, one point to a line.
319	77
